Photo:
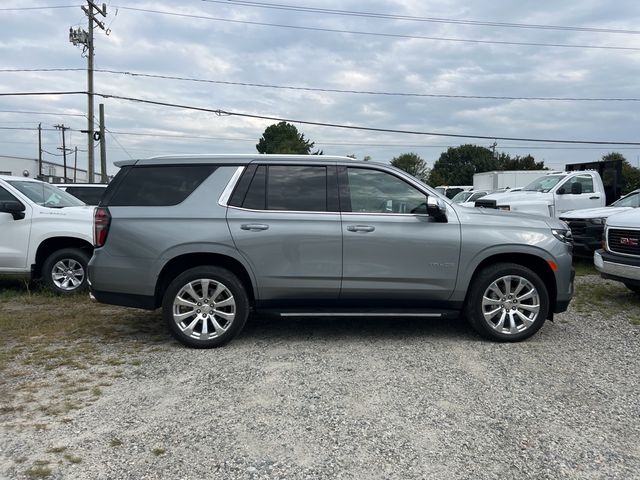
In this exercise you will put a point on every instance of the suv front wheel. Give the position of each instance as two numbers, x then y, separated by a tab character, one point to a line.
205	307
507	302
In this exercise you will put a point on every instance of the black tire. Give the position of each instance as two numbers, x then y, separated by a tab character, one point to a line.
65	271
491	328
202	327
633	288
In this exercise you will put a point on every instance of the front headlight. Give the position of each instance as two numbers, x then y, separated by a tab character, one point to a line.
563	235
598	221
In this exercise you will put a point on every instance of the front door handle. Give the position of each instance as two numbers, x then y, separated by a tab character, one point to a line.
361	228
594	198
254	227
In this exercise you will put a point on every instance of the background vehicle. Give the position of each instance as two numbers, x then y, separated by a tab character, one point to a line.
620	259
46	233
89	193
504	179
451	191
469	196
551	195
208	238
587	225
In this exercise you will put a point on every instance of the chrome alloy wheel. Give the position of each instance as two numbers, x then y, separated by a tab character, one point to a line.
67	274
511	304
204	309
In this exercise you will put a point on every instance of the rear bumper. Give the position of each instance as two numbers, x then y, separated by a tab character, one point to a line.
617	267
124	299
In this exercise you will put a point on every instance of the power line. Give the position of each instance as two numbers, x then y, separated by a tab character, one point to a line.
334	90
44	113
26	94
44	7
379	34
221	112
387	16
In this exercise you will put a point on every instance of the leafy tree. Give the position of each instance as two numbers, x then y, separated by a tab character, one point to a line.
519	163
412	164
457	165
284	138
630	174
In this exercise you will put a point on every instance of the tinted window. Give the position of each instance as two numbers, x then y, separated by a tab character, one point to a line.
6	196
89	195
297	188
45	195
158	185
374	191
257	193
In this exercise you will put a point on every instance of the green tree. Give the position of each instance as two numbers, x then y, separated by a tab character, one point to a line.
630	174
457	165
284	138
519	163
412	164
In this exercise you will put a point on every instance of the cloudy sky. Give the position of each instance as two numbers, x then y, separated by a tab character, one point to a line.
233	45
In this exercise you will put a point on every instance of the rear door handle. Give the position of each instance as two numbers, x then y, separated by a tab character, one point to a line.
361	228
594	198
254	227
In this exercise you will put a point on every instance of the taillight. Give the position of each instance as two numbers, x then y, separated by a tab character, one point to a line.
101	223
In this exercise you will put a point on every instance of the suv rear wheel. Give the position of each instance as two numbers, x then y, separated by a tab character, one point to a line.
65	271
507	302
205	307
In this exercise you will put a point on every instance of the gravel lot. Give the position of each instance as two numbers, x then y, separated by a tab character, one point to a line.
326	398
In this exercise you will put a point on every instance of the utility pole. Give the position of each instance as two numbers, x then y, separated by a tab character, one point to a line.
79	36
39	151
64	150
75	164
103	146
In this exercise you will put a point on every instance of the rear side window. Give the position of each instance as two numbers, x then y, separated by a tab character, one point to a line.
156	185
89	195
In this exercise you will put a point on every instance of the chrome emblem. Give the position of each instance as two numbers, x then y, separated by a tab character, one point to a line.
632	242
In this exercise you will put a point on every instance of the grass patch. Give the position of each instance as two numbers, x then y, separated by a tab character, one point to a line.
72	458
56	449
115	442
584	266
158	451
38	471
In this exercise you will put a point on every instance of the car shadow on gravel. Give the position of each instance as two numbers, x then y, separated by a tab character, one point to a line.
272	327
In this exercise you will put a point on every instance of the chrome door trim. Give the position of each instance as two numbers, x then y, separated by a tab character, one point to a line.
226	193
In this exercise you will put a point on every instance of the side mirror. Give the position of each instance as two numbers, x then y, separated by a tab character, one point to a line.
15	208
561	191
576	188
437	209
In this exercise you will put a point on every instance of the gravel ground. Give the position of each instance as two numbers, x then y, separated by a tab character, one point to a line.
349	399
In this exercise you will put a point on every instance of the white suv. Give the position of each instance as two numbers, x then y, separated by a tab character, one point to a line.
46	233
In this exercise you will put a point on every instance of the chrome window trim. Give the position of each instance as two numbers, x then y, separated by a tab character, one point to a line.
329	213
226	193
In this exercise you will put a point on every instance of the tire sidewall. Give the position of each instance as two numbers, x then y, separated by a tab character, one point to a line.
482	282
216	274
66	253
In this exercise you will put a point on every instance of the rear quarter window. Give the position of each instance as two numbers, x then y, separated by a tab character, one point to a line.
155	185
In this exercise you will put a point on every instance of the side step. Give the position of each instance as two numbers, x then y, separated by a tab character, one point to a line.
362	313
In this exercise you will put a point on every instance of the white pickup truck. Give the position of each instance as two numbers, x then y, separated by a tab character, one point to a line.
552	194
44	233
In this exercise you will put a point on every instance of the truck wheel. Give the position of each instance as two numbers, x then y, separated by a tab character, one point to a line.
507	302
205	307
633	288
65	270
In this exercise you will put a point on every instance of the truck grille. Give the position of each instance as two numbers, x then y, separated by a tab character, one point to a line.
577	226
624	241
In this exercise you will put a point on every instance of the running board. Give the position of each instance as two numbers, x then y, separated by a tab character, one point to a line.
360	312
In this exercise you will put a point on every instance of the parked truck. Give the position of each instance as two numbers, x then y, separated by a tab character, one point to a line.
552	194
507	179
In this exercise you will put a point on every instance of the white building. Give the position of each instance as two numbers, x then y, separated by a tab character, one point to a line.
52	172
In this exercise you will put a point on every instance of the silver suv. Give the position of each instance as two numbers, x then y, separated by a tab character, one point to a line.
209	238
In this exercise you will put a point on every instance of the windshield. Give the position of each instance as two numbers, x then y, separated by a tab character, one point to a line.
46	195
631	200
461	197
544	184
